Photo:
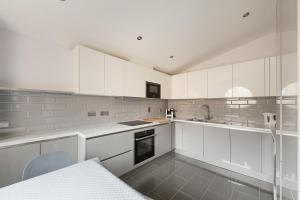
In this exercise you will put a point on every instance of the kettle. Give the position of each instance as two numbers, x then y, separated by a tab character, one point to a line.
270	120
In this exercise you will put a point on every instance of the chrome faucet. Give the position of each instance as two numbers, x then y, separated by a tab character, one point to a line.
208	116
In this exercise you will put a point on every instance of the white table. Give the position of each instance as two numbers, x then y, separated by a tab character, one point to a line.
87	180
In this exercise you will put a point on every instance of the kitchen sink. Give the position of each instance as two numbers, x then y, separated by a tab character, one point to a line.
208	121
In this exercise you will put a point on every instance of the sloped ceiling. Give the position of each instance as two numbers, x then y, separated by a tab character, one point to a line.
190	30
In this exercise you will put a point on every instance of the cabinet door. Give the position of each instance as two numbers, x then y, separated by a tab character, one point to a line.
289	74
249	79
178	135
217	145
136	77
114	76
246	150
219	82
91	71
109	146
163	139
13	161
68	145
273	77
179	86
192	139
165	81
197	84
120	164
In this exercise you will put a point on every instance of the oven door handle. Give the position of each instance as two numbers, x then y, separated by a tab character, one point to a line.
149	136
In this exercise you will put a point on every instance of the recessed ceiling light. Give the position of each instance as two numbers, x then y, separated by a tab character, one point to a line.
139	38
246	14
171	56
62	0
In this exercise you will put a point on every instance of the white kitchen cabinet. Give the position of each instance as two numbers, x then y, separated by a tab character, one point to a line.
179	86
197	84
136	77
217	145
249	79
192	140
289	68
68	145
273	77
114	76
267	155
178	135
109	146
163	139
173	135
89	71
13	161
165	82
246	150
120	164
219	82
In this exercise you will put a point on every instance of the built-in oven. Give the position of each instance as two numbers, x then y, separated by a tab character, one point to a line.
144	145
152	90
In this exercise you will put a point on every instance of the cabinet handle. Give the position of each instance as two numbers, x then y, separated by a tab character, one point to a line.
149	136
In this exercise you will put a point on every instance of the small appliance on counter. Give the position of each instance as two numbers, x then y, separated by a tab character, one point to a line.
270	120
170	113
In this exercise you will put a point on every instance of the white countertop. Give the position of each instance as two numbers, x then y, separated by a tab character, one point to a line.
86	180
13	139
229	126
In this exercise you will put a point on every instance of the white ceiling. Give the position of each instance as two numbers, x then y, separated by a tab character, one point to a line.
191	30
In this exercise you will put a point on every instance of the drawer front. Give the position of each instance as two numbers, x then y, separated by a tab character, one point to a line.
120	164
109	146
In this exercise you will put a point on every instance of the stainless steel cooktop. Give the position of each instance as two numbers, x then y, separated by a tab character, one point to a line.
135	123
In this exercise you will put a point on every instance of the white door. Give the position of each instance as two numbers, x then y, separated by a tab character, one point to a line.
289	77
136	77
249	79
246	150
163	139
178	135
13	161
217	145
192	140
179	86
114	76
197	84
68	145
219	81
91	71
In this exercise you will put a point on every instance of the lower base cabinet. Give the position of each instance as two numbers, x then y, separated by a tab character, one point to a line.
68	145
120	164
192	140
163	139
13	161
217	145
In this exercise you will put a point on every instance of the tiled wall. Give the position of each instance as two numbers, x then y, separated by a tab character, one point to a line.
248	111
34	111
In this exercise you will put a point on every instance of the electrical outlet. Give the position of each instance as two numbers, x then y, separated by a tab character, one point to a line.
149	109
92	113
104	113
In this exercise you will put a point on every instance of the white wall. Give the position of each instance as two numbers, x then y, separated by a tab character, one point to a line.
21	55
259	48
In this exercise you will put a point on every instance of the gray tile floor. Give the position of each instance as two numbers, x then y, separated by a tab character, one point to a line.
173	177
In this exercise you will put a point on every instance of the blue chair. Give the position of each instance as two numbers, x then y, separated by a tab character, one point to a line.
46	163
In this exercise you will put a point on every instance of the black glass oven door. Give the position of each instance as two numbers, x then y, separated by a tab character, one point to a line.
144	149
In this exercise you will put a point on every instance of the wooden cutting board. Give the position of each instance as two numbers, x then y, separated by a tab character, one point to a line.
157	120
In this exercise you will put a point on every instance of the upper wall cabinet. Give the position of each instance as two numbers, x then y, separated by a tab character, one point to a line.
197	84
89	71
249	79
164	80
288	76
219	81
136	77
114	76
179	86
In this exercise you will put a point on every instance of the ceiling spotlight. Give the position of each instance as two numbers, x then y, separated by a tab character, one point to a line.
171	56
139	38
246	14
